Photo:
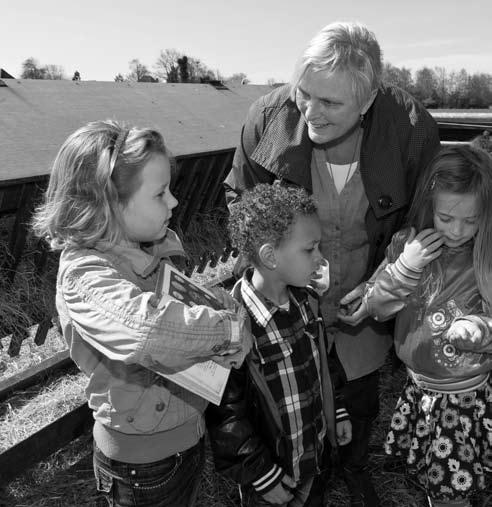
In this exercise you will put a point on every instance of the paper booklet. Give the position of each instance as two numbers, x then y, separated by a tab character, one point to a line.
207	379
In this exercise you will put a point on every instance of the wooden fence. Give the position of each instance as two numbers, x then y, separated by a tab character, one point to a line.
198	186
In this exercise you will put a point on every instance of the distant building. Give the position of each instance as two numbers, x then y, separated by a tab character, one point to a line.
5	75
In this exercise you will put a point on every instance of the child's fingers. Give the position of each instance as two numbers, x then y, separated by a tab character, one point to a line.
424	234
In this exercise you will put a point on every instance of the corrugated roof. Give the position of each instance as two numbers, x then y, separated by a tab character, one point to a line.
36	116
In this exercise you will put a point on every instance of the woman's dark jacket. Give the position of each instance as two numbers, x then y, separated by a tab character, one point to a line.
400	138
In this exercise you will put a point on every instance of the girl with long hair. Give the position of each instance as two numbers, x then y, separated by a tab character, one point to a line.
438	283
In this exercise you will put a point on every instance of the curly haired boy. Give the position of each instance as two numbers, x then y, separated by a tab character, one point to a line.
276	421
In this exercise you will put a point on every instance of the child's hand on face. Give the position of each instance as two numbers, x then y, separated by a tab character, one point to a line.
465	335
422	248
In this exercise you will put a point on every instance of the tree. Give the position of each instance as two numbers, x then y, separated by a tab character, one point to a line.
479	90
199	72
167	67
237	79
175	67
441	86
53	72
458	86
119	78
398	77
32	70
425	86
139	72
184	73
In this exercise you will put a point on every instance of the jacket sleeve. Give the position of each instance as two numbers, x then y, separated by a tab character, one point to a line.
338	380
386	293
239	453
125	323
485	325
245	173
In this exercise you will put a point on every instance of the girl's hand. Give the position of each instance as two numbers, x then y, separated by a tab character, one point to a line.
421	249
465	335
353	309
237	352
224	298
344	432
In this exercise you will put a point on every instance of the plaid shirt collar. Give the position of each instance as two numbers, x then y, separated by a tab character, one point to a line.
260	307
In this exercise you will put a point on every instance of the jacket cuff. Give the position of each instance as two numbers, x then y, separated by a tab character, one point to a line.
268	481
341	414
235	336
405	274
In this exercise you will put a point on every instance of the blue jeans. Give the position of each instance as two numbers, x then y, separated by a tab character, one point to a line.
171	482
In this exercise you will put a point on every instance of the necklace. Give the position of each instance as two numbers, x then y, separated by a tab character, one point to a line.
353	164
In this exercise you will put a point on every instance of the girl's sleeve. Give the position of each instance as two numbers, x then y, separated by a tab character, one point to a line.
485	325
387	291
124	323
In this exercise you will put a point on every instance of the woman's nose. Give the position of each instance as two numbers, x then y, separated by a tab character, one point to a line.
312	109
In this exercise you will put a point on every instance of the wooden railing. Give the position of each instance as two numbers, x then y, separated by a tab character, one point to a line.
198	186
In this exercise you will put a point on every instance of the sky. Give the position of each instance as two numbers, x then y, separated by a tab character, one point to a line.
261	38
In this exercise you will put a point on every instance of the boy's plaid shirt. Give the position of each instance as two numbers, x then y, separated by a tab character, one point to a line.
289	361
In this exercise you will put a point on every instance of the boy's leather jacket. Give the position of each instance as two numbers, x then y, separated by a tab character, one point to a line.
245	430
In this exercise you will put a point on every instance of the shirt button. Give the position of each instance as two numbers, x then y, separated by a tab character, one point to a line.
385	202
160	406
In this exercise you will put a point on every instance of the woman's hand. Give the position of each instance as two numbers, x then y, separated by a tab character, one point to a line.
421	249
353	309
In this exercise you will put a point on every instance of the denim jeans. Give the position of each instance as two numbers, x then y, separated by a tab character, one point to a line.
171	482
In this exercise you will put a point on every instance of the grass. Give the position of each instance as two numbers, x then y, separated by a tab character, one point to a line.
65	479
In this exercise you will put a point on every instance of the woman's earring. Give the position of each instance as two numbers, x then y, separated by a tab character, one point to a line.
361	118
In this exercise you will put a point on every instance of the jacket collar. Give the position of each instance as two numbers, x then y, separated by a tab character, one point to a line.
261	308
286	150
144	261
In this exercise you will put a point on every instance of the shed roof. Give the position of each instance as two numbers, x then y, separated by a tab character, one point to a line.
36	116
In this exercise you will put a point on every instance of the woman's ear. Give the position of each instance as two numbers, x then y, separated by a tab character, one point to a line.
266	255
369	102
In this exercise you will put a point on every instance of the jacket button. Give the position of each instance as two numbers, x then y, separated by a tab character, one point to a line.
160	406
385	202
129	419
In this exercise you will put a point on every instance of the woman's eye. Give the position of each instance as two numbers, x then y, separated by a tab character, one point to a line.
444	220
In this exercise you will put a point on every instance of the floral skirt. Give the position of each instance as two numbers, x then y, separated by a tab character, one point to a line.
446	439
